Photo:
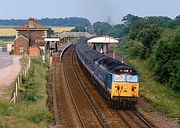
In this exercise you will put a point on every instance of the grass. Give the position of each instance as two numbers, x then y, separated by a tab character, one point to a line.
159	95
5	39
2	44
28	113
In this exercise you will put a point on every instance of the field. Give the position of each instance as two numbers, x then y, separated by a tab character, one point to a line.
12	31
62	29
7	32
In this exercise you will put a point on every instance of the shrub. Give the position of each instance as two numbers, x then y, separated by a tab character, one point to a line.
135	49
36	76
40	117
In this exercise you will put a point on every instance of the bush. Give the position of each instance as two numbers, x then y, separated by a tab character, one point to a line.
135	49
31	95
40	117
36	76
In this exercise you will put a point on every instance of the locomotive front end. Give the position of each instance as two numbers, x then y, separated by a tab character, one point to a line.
125	88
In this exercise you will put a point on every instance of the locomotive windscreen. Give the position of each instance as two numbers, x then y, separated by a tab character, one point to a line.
125	78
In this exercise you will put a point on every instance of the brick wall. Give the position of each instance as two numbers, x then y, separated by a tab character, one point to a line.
21	46
34	51
33	35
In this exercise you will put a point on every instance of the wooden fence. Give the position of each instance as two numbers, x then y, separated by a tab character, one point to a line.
18	80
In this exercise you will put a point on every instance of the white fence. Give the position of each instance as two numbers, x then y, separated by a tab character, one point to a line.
23	72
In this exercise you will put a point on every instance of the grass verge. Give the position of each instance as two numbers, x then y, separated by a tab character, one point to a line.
159	95
31	110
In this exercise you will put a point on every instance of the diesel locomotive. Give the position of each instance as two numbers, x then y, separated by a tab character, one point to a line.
118	82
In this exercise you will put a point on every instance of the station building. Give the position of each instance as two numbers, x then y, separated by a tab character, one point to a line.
30	38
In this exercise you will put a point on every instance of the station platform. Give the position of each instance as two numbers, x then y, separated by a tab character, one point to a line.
62	47
60	51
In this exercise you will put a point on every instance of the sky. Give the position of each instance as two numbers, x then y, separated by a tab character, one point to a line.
94	10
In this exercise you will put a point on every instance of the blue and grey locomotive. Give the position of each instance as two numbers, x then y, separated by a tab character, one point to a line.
118	81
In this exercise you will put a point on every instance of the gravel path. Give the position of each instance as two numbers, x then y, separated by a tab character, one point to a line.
9	69
158	118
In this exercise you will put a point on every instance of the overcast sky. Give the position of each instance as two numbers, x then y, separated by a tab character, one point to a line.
94	10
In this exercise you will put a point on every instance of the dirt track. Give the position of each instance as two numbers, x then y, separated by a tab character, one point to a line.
8	72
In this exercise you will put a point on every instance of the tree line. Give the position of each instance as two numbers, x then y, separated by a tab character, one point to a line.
71	21
154	39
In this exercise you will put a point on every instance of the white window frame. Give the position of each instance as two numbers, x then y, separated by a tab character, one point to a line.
21	49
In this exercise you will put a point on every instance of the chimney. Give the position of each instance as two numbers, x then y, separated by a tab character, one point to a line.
31	22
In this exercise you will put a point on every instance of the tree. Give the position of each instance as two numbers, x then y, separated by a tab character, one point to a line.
71	21
102	28
165	58
135	28
119	30
149	37
175	23
129	19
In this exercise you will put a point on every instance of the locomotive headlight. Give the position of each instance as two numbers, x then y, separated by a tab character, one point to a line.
125	87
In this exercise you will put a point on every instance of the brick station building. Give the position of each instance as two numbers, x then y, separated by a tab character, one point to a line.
30	38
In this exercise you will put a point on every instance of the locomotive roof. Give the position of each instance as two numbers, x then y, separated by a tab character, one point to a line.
115	66
111	65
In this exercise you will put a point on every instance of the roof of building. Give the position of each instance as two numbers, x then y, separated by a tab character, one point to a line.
31	25
9	42
52	39
103	39
75	34
21	36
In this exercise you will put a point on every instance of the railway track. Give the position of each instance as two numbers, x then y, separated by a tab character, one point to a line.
141	117
87	113
79	105
64	113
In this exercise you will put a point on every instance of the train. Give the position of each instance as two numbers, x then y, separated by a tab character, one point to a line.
118	82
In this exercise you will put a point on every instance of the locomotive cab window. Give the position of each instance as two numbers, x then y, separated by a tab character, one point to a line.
132	78
119	78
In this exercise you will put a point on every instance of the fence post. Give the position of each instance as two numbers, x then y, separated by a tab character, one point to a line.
14	98
16	87
24	71
18	80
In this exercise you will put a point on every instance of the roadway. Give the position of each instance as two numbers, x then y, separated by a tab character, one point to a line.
5	60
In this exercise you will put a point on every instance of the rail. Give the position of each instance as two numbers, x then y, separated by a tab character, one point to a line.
97	113
149	124
77	110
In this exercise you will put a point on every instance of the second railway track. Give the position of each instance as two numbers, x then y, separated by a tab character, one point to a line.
88	116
